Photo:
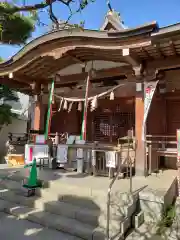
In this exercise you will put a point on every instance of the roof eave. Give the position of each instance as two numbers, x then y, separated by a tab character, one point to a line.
167	31
140	30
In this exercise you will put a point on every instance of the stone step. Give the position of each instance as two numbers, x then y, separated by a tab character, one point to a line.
82	207
118	209
77	197
53	221
58	187
22	229
91	217
65	187
91	203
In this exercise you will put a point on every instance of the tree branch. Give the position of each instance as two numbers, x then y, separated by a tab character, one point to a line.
27	8
37	6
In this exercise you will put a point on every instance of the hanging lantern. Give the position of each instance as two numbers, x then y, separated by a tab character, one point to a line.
65	105
112	96
60	106
94	104
80	106
70	107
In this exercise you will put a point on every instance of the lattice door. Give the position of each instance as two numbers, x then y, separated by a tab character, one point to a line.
111	124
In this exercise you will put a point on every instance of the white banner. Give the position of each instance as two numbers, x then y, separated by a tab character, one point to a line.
149	89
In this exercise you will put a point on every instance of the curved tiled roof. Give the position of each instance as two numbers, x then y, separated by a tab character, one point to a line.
56	50
72	39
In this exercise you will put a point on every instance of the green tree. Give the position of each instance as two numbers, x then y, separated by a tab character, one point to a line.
18	21
6	96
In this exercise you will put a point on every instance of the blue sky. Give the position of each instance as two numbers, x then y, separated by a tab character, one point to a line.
133	13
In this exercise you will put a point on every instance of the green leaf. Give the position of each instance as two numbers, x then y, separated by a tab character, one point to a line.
15	28
6	115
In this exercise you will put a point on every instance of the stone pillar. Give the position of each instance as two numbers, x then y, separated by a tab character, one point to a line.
140	164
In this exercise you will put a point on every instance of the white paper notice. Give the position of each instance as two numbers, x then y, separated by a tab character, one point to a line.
79	153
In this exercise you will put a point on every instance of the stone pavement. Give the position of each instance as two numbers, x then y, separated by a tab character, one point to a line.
161	181
13	229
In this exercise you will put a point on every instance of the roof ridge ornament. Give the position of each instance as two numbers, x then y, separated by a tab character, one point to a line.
113	21
109	6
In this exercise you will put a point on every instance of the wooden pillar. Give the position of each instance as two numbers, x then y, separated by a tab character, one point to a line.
140	165
38	108
39	115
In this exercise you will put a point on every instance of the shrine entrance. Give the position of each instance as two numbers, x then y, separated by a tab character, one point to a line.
112	120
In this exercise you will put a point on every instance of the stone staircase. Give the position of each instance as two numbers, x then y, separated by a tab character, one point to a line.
77	211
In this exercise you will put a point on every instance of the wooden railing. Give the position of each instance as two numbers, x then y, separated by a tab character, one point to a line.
159	145
161	140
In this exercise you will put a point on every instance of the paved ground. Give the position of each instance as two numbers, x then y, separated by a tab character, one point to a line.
13	229
23	229
161	181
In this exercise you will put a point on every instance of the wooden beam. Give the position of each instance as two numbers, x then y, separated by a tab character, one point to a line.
163	64
139	71
104	73
95	91
158	49
146	53
173	49
158	64
73	78
130	57
12	82
77	60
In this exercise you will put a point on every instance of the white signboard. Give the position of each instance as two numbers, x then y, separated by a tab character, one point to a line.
71	139
79	153
39	151
40	139
62	153
110	159
93	158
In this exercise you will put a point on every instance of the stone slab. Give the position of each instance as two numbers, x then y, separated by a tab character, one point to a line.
12	228
70	226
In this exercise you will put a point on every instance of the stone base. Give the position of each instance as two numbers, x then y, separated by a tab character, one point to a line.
154	202
140	172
